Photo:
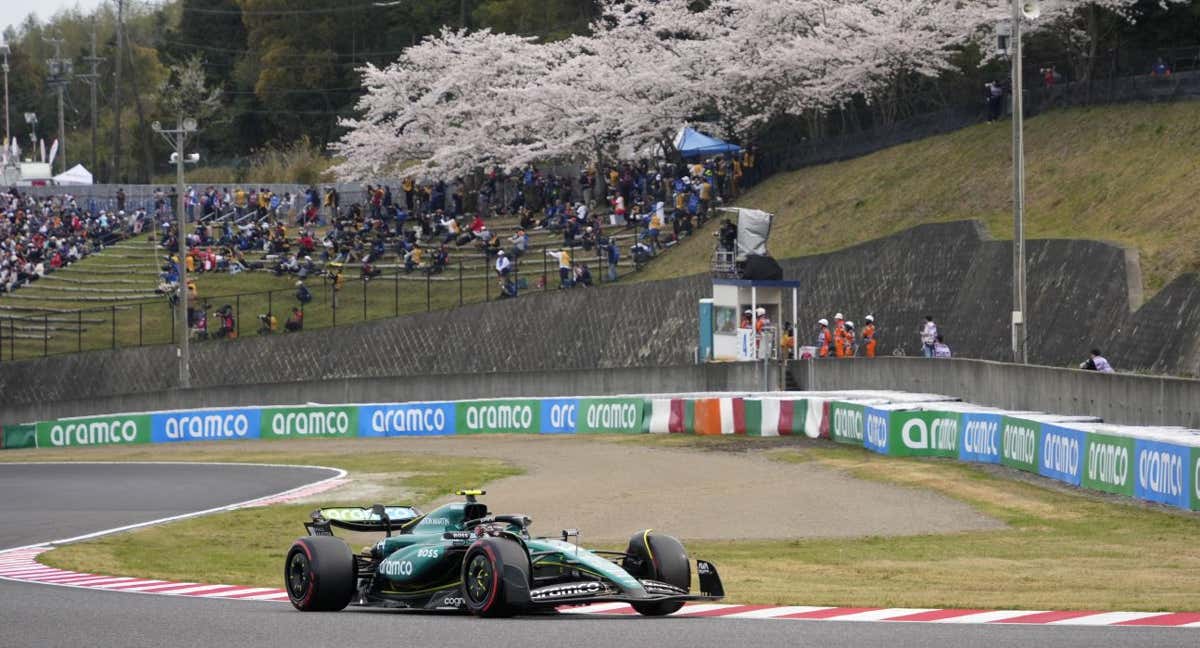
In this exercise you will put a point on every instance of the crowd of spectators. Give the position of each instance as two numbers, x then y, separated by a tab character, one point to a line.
38	235
315	233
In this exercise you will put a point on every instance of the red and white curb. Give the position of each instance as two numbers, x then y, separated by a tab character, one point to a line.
20	565
914	615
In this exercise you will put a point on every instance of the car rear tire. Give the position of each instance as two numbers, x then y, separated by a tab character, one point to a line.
661	558
319	574
495	577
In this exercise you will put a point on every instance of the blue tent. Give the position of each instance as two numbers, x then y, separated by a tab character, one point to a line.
691	143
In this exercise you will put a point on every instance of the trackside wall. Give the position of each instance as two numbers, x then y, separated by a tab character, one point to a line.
631	380
1126	399
1158	464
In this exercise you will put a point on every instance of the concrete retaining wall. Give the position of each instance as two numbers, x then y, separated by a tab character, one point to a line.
1125	399
386	389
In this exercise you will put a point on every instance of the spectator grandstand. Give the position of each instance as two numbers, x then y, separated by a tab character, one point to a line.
403	246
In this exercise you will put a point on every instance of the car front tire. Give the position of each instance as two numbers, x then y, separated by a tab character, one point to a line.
661	558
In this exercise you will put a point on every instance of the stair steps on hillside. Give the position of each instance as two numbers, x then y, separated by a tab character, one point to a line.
57	277
64	298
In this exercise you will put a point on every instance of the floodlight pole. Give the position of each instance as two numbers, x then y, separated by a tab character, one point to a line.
1019	319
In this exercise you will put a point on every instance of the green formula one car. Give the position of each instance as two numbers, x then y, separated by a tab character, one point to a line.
462	557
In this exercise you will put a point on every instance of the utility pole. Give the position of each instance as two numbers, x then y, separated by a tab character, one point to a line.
4	49
1020	325
116	152
60	76
177	137
93	80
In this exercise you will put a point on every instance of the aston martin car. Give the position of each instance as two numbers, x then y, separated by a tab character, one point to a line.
461	556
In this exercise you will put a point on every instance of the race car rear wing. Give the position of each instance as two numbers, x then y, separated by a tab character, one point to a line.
370	519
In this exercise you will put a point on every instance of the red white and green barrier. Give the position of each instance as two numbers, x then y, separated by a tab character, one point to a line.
1150	463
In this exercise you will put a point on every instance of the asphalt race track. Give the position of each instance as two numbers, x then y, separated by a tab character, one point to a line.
49	501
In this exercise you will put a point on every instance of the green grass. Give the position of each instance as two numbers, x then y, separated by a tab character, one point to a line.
1062	549
246	547
1122	173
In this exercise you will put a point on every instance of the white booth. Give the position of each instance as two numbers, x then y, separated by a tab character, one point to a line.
737	334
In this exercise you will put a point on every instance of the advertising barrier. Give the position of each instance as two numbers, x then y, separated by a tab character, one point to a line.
876	424
102	430
1151	463
816	420
1165	473
1019	441
846	422
980	440
338	421
499	416
683	416
923	434
205	425
612	415
775	417
1108	463
558	415
407	419
1194	465
658	416
20	436
1061	453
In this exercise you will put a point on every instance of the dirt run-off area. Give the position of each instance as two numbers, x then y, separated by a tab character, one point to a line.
608	490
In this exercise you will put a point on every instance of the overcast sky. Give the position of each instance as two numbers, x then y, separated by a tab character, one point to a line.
13	12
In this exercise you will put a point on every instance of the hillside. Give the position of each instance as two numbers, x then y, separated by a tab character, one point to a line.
1127	174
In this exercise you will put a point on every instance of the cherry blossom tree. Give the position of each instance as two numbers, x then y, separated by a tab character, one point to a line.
460	101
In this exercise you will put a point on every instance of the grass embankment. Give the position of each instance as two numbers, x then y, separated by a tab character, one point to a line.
247	547
1120	173
1062	548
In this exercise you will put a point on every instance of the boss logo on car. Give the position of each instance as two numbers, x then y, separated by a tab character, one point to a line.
567	590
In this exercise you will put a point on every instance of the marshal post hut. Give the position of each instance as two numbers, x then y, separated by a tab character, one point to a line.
743	321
